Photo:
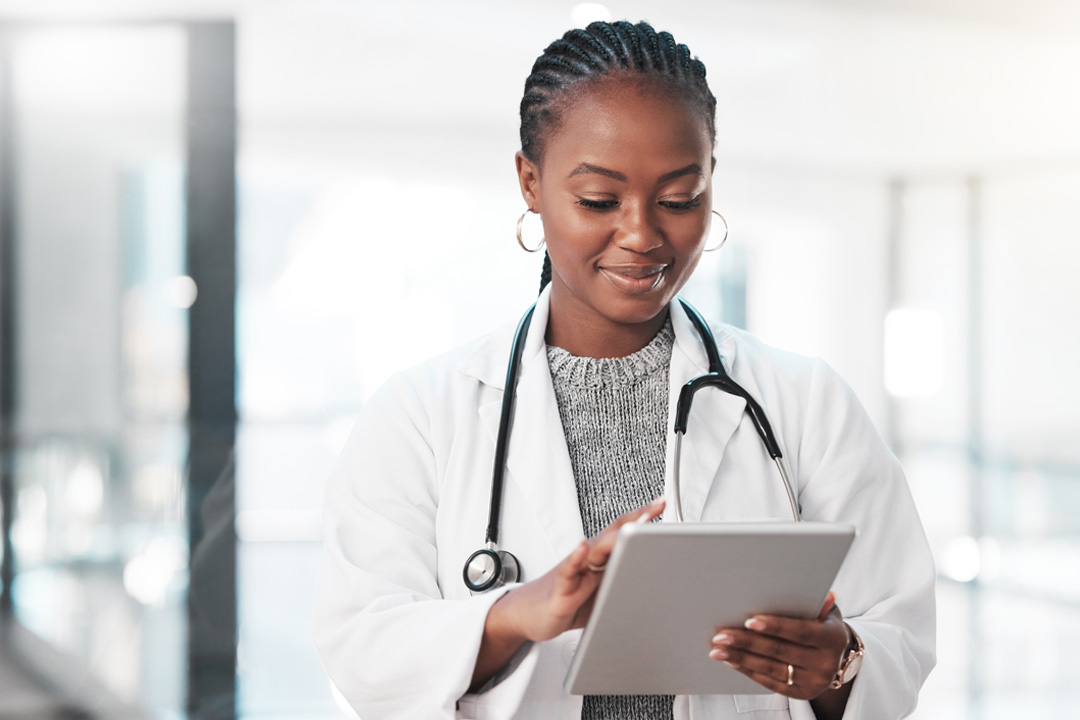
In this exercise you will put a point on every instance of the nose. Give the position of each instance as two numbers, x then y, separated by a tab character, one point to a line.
638	228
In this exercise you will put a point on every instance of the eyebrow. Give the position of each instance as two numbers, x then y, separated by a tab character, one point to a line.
586	168
691	169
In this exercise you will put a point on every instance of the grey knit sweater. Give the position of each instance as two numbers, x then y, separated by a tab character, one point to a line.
614	414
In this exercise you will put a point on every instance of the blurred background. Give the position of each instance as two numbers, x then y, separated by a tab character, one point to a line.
224	223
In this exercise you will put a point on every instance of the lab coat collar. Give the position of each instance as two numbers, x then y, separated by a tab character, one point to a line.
538	461
487	363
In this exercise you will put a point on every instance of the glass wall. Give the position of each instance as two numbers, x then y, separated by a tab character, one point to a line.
99	535
986	429
900	203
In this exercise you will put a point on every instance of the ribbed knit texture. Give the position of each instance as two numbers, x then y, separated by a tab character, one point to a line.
614	414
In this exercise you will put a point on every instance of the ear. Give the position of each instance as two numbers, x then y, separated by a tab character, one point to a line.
529	179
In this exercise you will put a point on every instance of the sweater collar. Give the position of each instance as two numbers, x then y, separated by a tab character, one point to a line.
487	362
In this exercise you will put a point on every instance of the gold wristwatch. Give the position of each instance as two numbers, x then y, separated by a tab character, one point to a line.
851	662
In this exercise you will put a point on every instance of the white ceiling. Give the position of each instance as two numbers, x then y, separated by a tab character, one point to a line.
1049	14
875	86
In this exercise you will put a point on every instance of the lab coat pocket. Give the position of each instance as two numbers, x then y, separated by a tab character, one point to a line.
776	706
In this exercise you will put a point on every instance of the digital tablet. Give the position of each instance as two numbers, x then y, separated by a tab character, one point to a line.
669	586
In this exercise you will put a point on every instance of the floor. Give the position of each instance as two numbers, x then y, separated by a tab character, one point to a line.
23	697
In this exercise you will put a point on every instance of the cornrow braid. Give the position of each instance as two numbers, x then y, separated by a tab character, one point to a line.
578	38
632	42
599	50
545	272
651	48
668	50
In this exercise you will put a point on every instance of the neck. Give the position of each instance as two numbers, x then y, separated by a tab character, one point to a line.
591	335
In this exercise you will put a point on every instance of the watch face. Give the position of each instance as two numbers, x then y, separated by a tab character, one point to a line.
852	667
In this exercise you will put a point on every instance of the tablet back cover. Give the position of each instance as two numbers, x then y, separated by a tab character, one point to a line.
668	587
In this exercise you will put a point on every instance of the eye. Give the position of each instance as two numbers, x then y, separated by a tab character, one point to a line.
597	204
681	204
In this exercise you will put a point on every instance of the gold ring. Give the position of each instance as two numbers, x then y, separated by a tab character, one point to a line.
596	568
790	675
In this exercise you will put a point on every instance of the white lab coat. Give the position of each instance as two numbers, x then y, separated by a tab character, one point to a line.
408	502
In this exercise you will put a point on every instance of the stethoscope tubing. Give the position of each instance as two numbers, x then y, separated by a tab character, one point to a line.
676	483
717	377
505	418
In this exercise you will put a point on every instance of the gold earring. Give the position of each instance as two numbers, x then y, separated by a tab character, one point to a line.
725	233
519	222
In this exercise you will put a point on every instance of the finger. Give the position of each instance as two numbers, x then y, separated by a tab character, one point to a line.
642	514
600	547
811	677
812	633
795	690
764	667
599	550
735	645
570	571
827	606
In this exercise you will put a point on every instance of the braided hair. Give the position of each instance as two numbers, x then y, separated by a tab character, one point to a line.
600	50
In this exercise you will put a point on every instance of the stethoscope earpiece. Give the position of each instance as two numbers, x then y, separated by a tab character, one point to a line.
487	569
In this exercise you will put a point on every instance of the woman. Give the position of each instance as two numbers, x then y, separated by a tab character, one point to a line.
617	135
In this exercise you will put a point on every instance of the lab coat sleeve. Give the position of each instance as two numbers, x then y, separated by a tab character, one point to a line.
390	642
886	586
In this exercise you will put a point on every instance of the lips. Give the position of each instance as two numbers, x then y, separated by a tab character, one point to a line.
634	278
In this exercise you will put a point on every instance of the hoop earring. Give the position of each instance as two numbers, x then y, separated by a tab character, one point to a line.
519	222
713	249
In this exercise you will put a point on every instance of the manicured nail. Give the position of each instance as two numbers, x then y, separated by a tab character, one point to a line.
731	665
658	501
755	624
722	639
718	654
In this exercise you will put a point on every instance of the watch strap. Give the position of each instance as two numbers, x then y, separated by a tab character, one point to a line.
848	665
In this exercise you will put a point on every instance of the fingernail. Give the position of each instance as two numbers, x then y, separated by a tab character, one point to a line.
718	654
658	501
731	665
722	639
754	624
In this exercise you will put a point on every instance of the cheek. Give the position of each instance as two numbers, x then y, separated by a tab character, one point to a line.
689	232
568	231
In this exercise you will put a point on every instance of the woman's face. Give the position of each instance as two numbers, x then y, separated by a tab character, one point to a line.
625	195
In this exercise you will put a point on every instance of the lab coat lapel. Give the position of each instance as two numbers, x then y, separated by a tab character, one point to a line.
714	417
537	459
538	462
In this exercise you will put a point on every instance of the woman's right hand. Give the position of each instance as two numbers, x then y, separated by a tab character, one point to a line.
560	600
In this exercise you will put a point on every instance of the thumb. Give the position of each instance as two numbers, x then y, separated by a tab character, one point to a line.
827	606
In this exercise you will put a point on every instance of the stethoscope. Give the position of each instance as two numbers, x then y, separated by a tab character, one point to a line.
490	567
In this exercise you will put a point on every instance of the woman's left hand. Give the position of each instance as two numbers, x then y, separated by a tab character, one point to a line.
769	645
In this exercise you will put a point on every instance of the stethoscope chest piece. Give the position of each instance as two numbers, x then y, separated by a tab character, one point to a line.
488	568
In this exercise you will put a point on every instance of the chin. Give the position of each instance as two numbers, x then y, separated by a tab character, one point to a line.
638	310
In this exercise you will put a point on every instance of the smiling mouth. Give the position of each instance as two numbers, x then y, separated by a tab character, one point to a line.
635	279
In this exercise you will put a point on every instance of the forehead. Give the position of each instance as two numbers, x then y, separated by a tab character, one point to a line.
627	120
